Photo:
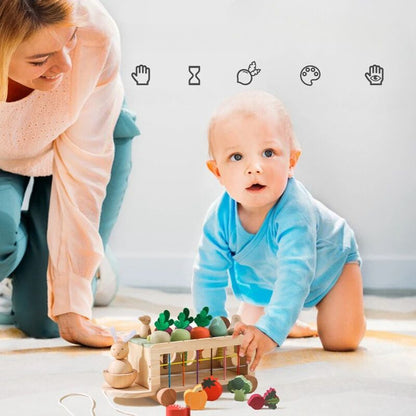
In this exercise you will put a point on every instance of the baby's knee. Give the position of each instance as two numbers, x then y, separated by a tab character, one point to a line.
340	344
343	341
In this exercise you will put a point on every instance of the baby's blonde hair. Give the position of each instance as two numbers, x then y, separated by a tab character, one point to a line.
253	103
19	20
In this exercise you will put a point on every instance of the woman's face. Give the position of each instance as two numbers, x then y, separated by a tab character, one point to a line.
41	61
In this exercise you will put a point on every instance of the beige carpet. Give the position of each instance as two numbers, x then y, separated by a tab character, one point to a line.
379	378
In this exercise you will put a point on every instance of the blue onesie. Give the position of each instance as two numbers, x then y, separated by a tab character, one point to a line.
292	261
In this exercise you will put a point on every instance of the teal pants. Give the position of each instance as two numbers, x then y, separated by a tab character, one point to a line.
23	245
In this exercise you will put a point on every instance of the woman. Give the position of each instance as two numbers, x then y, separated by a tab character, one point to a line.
60	99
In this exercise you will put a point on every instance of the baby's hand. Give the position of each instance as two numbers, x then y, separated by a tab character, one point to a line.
255	343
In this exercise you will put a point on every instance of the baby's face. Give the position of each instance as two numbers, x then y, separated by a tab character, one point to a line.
252	159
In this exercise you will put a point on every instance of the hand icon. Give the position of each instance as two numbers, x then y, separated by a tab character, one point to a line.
141	75
375	75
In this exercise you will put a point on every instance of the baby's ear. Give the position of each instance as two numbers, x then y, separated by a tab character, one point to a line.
294	157
212	166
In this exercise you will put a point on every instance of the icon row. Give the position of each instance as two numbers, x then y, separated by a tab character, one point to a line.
309	74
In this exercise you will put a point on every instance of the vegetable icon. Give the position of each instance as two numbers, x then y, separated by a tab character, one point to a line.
245	76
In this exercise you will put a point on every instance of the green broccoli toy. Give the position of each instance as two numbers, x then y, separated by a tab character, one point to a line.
240	386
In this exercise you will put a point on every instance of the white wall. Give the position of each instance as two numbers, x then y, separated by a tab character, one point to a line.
358	140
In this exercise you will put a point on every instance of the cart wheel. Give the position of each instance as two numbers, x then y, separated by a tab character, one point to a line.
166	396
253	381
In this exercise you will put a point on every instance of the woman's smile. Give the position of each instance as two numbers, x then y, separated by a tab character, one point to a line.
51	77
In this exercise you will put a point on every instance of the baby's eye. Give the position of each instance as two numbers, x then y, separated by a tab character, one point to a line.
236	157
268	153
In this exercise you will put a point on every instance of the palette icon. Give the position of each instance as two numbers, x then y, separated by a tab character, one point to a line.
310	74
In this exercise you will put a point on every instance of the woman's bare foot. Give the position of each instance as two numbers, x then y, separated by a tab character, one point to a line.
80	330
302	330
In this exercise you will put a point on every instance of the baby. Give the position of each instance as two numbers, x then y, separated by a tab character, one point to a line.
281	249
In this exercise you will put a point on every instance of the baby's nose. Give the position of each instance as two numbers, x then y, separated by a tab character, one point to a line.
254	168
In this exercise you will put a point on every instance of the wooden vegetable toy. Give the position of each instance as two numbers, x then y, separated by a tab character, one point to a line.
144	326
256	401
240	386
120	373
182	331
195	398
218	328
212	387
163	330
269	399
202	320
176	410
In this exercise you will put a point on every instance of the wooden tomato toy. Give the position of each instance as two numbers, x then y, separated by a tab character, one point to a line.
195	398
212	387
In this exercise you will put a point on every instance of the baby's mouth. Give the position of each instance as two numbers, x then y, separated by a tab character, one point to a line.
255	187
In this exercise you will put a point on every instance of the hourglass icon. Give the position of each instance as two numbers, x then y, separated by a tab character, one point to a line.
194	71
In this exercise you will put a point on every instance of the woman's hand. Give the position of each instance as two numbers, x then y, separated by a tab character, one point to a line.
255	343
80	330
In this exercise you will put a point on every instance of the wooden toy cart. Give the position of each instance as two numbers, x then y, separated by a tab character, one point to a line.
167	368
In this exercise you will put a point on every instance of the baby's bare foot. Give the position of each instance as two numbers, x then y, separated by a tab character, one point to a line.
302	330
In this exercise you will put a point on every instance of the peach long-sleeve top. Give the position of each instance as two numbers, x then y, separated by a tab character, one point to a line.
68	133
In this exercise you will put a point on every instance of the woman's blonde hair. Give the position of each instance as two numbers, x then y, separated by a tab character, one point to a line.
19	20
